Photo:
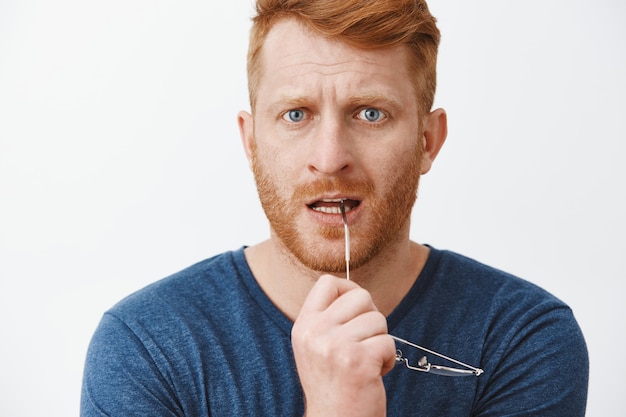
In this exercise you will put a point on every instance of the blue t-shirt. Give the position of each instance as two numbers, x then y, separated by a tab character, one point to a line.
208	342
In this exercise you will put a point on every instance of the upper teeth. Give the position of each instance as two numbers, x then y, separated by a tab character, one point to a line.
331	209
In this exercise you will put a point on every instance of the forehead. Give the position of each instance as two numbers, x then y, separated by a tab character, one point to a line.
295	58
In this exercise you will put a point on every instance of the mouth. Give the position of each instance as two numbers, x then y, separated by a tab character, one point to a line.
333	205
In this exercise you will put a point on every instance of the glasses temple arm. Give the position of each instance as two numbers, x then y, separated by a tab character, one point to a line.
437	369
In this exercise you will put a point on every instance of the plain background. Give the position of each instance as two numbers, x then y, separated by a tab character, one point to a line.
120	163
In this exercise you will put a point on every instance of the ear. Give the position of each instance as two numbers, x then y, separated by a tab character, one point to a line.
246	131
435	132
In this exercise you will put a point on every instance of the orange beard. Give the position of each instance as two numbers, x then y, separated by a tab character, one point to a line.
391	213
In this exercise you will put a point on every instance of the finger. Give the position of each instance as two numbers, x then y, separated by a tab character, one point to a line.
349	305
325	291
388	352
375	356
363	326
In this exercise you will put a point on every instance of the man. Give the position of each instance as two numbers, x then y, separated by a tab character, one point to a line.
341	94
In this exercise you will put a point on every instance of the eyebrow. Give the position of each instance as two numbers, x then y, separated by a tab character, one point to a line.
291	101
373	98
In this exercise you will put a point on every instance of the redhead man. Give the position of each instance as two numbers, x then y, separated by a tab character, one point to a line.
341	129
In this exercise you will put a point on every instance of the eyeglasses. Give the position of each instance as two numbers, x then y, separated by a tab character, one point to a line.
422	364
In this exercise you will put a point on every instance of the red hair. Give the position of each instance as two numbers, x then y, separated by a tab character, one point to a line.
363	24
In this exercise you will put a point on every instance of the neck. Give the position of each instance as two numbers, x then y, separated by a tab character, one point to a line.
287	282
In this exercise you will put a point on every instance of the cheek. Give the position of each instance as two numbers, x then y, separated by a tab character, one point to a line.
387	168
282	158
271	171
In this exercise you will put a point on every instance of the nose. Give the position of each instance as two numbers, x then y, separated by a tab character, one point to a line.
330	151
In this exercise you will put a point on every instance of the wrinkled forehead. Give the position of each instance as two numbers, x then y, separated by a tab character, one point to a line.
293	52
289	36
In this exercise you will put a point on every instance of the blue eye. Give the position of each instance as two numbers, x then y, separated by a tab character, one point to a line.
371	115
294	116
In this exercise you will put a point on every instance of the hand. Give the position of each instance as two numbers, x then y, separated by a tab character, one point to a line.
342	349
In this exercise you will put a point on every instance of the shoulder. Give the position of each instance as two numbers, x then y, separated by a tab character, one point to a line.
144	342
500	302
498	311
183	296
528	337
475	279
152	322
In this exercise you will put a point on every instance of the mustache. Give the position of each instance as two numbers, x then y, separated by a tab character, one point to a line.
341	186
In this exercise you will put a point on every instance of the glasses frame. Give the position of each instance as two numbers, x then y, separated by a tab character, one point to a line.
422	364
